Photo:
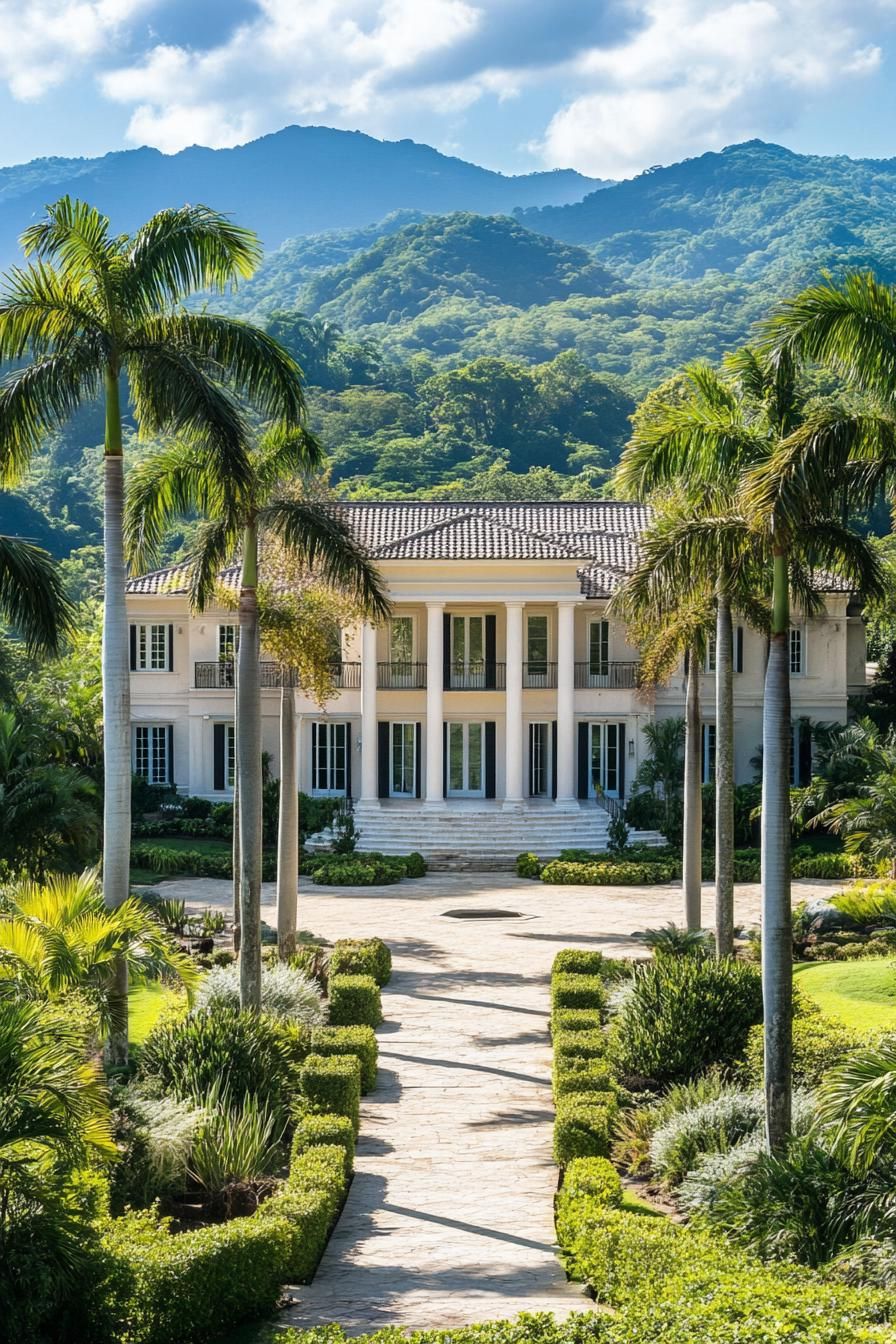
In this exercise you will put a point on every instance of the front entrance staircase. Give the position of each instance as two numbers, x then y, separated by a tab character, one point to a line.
479	836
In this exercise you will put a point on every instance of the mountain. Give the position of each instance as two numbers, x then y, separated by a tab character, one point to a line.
303	179
492	260
754	210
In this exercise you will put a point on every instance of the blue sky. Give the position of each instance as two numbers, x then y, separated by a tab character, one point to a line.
606	86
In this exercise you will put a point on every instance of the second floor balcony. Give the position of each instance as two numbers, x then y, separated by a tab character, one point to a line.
220	675
406	676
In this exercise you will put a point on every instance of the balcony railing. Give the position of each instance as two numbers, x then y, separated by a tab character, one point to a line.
475	676
401	676
539	676
220	676
607	676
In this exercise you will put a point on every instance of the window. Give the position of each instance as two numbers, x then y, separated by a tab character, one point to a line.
228	641
737	650
329	746
604	753
796	650
151	648
540	760
152	752
403	780
224	747
465	759
537	646
401	639
598	650
708	754
710	664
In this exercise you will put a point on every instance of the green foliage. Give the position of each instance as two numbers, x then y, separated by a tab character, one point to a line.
314	1131
286	994
575	1076
621	873
235	1142
331	1085
595	1178
194	1287
871	904
359	1041
192	1055
359	870
673	941
712	1127
575	1019
582	1126
309	1203
569	990
683	1014
579	961
819	1044
154	1137
362	956
528	865
571	1045
857	1105
354	1001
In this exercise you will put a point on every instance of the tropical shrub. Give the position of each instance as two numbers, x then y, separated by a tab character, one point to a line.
819	1044
621	873
354	1001
582	1126
595	1177
683	1014
674	941
362	956
245	1051
577	991
712	1127
359	870
154	1136
313	960
315	1131
870	904
286	993
358	1041
528	865
235	1143
857	1105
331	1085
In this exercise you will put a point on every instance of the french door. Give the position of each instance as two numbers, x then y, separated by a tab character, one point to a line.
403	760
598	653
603	760
329	750
466	776
468	651
540	760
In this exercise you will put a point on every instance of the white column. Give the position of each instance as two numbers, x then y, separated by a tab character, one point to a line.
513	709
566	721
435	794
369	792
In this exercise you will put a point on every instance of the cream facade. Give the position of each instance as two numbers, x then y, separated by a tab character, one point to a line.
498	706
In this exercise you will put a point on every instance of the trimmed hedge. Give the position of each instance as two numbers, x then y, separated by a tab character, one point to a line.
582	1126
359	1041
579	961
354	1001
575	1019
166	1289
528	865
308	1203
362	956
620	873
594	1177
579	1045
315	1131
575	1077
577	991
331	1084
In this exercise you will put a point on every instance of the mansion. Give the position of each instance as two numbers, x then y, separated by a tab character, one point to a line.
499	709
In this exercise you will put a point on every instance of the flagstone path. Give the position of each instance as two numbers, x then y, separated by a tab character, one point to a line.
449	1216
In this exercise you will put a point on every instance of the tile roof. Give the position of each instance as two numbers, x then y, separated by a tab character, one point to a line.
602	534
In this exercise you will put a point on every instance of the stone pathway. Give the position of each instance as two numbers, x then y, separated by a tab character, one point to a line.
449	1217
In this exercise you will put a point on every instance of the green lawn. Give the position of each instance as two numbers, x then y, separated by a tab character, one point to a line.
860	993
145	1003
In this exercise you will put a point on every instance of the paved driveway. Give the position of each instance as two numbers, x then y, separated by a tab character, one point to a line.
449	1217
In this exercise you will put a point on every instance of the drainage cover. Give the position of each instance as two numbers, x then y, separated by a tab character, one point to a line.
482	914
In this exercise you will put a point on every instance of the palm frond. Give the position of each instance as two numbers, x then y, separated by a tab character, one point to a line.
282	453
42	312
320	540
216	543
38	398
75	236
173	482
177	252
32	596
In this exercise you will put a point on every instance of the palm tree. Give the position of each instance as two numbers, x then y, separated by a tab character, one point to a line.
96	314
32	597
312	533
57	937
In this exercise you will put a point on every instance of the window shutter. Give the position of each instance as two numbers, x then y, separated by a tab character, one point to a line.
171	648
133	635
418	760
382	759
444	758
446	651
170	779
687	660
804	773
583	760
220	740
313	754
491	652
554	759
348	760
739	649
621	759
490	787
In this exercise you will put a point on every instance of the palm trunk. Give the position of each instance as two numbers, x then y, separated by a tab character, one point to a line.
287	825
777	946
692	841
248	764
724	781
116	712
235	864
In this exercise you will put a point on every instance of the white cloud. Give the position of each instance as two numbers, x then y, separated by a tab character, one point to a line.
44	41
700	74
